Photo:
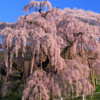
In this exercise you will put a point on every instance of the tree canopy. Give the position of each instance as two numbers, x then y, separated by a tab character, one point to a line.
54	34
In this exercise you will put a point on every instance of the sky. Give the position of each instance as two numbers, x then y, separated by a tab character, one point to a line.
10	10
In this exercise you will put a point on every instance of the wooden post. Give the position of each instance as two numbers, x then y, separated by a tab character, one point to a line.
52	81
83	97
72	92
93	78
32	63
41	59
92	73
82	49
41	71
40	93
61	98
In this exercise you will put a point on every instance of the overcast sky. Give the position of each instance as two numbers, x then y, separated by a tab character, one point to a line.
10	10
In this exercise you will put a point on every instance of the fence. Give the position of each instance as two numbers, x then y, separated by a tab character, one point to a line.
83	97
92	96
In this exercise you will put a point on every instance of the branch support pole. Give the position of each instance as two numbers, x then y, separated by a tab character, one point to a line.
82	48
83	97
32	63
41	58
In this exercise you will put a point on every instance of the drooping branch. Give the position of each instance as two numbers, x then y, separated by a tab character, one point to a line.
37	6
41	27
40	9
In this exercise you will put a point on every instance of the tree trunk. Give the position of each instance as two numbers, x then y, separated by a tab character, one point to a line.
70	55
25	71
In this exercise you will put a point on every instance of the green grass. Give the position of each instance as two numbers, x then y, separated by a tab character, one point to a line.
95	55
1	56
14	95
19	53
95	96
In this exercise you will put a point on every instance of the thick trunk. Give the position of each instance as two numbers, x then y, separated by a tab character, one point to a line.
26	69
73	49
